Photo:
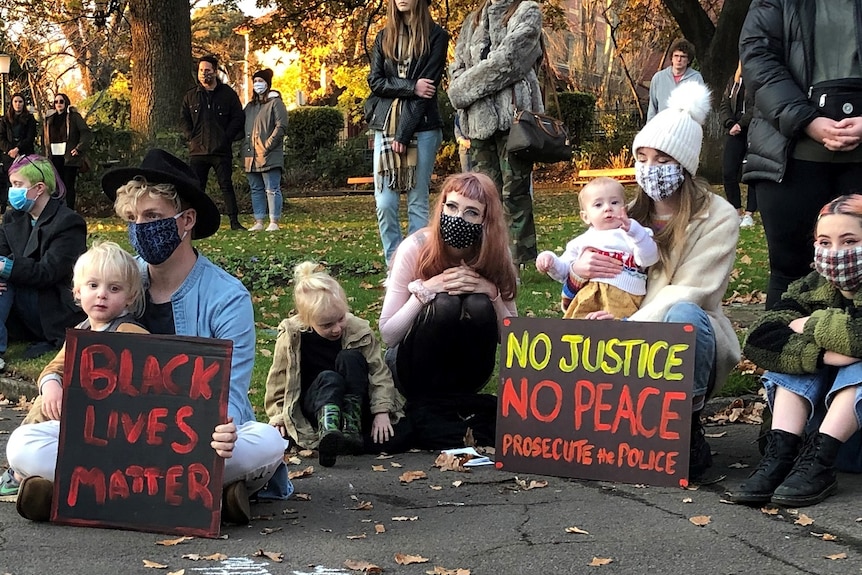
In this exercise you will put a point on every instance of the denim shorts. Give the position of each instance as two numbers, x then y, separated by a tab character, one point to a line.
819	387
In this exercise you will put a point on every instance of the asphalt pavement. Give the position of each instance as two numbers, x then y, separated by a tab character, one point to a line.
486	521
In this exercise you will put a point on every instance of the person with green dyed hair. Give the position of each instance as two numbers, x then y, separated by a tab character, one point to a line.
36	302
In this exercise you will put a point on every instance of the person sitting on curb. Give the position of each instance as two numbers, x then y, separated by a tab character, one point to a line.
810	345
40	239
186	295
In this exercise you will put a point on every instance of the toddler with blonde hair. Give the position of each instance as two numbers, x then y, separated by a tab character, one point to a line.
107	285
329	387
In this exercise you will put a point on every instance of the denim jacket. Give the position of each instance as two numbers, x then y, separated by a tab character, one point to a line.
212	303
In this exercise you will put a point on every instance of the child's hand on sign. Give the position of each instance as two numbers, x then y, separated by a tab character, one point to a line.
599	315
224	439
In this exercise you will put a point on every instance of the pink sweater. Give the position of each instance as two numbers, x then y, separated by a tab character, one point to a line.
400	307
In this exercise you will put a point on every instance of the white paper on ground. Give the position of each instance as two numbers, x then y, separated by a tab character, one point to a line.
475	461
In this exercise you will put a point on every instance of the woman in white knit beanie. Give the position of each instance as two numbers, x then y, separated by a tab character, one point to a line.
696	232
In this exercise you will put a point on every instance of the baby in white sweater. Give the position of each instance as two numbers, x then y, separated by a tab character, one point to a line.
603	208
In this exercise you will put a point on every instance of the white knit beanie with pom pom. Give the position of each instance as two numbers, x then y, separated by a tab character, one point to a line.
678	129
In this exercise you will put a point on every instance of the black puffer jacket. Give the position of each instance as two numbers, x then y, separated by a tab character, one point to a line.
212	121
417	114
777	51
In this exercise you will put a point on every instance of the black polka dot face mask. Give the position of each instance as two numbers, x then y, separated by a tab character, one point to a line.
459	233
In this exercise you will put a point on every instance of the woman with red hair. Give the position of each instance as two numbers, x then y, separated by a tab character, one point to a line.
451	286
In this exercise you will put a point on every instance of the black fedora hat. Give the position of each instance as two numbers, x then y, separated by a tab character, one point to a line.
161	167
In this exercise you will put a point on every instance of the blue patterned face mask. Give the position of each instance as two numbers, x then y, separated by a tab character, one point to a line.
659	181
155	241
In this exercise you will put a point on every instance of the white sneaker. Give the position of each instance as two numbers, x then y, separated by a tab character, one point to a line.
746	222
256	227
272	227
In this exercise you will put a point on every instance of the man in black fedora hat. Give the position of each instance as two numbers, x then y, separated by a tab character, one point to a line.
212	118
186	295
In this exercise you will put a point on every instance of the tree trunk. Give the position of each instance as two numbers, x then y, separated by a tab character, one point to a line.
161	63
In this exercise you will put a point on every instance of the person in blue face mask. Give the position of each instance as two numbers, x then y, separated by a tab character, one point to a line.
40	240
187	294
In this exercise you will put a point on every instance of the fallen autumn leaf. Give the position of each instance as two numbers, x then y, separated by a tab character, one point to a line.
403	559
363	566
171	542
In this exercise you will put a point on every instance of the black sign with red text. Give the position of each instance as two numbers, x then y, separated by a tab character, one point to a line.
607	400
135	430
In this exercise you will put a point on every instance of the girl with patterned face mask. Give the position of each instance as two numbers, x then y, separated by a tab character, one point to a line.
810	343
451	285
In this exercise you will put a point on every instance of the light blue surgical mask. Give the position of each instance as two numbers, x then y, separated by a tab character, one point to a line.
18	199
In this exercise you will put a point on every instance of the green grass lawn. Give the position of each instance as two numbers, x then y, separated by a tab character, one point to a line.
342	232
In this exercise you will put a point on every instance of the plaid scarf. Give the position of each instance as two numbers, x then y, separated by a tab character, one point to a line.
399	170
841	268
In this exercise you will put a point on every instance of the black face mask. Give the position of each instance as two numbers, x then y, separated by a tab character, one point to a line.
459	233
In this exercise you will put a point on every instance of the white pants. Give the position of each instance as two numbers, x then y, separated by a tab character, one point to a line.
32	450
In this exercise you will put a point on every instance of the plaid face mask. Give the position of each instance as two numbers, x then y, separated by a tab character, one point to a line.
841	268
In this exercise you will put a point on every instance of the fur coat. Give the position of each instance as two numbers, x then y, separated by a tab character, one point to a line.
492	61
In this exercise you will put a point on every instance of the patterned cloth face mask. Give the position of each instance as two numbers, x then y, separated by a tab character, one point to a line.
659	181
458	232
841	268
155	241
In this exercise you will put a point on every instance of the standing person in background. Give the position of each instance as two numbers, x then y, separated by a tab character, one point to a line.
407	64
211	118
736	108
463	143
801	154
17	138
492	76
67	139
664	81
263	150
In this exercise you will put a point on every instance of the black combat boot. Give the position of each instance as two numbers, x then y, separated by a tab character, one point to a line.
781	449
700	454
813	477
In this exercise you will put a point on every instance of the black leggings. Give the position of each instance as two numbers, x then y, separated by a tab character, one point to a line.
451	348
734	153
350	377
789	210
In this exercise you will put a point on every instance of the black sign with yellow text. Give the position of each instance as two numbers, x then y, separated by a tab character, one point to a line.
606	400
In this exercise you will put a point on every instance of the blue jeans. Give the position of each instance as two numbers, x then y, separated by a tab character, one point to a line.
704	348
817	388
263	185
417	198
26	304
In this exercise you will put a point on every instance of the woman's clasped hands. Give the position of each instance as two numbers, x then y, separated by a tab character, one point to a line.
460	280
